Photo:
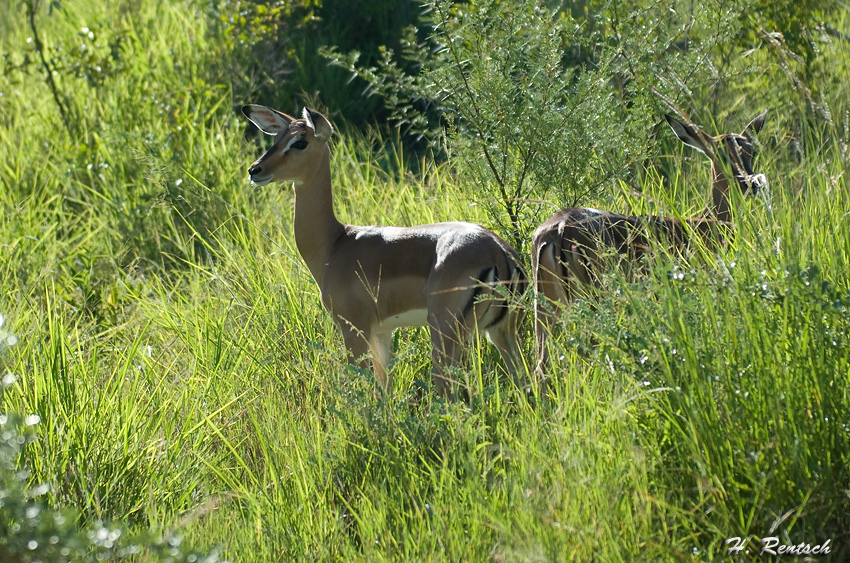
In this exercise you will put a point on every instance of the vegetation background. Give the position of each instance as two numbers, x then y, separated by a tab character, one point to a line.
172	389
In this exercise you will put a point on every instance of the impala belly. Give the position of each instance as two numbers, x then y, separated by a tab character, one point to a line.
411	317
401	302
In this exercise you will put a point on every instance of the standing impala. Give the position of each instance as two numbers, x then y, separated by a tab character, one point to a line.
567	248
453	277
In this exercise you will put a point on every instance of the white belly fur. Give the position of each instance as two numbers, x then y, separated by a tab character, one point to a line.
413	317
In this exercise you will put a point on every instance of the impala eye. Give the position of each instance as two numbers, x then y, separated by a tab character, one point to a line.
301	144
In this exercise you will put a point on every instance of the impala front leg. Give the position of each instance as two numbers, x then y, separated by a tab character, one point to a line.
358	346
381	344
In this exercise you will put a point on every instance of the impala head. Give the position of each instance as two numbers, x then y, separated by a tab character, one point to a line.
298	148
730	154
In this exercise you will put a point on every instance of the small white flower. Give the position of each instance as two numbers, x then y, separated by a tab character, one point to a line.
8	380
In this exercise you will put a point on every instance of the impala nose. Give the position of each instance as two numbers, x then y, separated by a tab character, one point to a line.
758	182
258	175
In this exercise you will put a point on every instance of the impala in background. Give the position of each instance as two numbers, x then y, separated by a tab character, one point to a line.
453	277
567	248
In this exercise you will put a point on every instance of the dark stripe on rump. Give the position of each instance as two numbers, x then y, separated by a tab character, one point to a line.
476	291
501	303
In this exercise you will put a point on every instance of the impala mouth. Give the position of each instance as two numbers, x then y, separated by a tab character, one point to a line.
260	181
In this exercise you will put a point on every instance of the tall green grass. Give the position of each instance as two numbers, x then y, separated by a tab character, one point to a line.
188	380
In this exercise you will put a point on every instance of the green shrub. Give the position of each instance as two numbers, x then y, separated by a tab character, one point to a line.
550	105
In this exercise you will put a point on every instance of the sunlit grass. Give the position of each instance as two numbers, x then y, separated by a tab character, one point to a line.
187	378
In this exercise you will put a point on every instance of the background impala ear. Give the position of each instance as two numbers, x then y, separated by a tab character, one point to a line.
755	125
270	121
690	134
320	125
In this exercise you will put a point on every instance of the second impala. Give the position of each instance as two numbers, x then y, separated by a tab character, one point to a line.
568	247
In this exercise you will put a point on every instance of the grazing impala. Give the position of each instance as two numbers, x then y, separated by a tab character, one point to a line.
567	248
453	277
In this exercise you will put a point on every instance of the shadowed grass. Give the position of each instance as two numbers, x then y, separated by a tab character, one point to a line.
187	378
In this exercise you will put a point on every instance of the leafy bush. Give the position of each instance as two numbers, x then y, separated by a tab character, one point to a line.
550	105
519	123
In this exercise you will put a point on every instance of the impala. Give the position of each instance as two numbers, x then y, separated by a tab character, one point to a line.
567	248
452	277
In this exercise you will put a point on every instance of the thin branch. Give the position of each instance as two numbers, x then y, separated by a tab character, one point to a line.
471	95
32	6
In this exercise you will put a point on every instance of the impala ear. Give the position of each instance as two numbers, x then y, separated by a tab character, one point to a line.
319	124
754	126
689	134
270	121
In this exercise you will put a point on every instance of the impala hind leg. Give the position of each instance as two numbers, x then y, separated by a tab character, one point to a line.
446	351
545	313
506	339
551	292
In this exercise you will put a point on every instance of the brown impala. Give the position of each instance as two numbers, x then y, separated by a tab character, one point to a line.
567	248
453	277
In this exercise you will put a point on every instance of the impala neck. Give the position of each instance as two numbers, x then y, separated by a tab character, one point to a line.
720	207
316	226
